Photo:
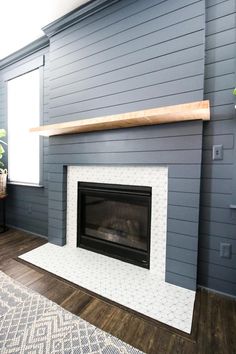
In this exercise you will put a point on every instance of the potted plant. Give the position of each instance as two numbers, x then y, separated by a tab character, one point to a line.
3	171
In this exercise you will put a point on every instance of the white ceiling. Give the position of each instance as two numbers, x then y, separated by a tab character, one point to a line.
21	20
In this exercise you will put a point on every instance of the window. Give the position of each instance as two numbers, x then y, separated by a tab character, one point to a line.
23	96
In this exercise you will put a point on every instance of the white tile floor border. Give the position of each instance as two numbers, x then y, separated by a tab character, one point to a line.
143	290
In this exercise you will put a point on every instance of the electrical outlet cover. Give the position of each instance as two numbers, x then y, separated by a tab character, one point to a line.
217	153
225	250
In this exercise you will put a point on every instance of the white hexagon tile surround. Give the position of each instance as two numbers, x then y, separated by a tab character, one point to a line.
142	290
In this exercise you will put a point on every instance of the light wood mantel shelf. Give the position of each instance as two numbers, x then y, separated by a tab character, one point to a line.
183	112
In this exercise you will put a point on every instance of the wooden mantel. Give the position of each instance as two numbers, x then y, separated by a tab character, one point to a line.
183	112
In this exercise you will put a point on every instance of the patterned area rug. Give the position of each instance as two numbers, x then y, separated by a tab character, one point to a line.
30	324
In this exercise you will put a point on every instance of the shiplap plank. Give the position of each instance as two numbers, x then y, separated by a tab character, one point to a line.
218	272
178	254
162	157
188	228
218	214
218	229
216	185
216	200
158	144
219	10
183	213
227	140
180	280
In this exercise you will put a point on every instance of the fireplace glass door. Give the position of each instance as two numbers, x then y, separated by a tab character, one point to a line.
115	220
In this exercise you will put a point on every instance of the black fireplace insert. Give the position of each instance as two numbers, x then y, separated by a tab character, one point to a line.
115	220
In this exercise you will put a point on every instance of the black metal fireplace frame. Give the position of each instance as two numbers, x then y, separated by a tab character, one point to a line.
111	249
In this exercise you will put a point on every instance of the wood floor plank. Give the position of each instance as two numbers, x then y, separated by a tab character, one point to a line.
141	335
119	324
97	312
29	277
144	336
19	248
14	268
162	342
214	321
77	302
60	292
43	284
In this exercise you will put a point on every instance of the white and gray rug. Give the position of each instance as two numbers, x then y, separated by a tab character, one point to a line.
30	323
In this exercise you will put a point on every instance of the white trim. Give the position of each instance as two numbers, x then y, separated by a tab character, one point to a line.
25	184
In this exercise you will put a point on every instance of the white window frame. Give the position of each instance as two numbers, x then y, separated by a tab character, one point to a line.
21	70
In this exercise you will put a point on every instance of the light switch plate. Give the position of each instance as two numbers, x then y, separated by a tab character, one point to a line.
225	250
217	152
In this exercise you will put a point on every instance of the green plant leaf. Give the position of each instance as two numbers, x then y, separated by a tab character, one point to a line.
234	91
2	133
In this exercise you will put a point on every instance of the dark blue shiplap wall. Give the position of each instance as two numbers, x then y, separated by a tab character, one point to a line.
133	55
130	56
217	220
27	207
140	54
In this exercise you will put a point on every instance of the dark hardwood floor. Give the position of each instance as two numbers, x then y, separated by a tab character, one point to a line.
214	324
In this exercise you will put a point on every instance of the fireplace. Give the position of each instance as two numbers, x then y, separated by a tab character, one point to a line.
115	220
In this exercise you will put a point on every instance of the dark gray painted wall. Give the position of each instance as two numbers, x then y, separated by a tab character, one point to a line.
27	207
217	220
133	55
